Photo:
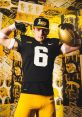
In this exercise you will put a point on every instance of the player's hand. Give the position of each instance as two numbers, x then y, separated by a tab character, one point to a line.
20	26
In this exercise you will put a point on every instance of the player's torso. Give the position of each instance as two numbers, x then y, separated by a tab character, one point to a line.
38	59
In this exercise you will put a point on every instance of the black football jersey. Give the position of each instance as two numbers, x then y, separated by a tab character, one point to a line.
38	60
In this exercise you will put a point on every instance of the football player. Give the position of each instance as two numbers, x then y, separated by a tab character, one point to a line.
38	54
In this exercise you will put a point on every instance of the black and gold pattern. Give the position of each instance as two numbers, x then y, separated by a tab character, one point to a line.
71	80
10	76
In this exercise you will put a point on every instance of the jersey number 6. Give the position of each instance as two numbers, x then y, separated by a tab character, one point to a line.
40	56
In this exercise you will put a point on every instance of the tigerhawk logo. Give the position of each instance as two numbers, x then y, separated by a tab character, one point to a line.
42	23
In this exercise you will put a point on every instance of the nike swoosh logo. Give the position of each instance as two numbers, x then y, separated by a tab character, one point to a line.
50	43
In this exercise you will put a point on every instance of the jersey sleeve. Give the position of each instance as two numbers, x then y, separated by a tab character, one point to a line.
22	42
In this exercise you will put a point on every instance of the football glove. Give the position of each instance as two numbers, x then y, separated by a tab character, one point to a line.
20	26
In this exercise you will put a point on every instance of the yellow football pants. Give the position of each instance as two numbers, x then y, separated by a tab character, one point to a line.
30	103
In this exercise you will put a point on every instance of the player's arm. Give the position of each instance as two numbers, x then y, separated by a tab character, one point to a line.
19	26
6	41
65	48
4	33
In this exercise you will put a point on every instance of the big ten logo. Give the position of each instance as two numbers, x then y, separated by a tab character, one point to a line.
29	8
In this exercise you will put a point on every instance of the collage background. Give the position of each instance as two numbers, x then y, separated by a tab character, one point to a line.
11	63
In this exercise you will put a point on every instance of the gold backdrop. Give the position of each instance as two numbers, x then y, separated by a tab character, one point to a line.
66	72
